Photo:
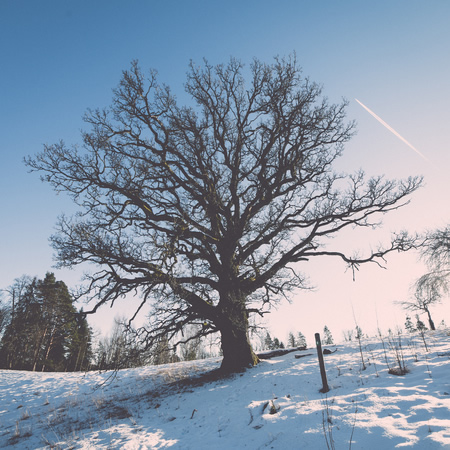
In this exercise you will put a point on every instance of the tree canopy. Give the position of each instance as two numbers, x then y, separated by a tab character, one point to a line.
209	211
436	253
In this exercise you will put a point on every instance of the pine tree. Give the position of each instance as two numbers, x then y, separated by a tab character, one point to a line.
420	325
291	340
359	333
268	342
44	330
276	344
5	313
301	340
19	341
79	346
57	323
409	325
327	337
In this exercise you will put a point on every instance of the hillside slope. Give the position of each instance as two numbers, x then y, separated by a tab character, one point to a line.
274	405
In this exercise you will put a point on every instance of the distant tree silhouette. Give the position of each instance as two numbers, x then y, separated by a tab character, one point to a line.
409	326
291	340
327	337
301	340
268	342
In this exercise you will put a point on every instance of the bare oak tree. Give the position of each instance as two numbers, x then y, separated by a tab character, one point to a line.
208	210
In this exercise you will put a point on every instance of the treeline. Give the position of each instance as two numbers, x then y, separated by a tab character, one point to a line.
41	329
123	349
294	340
297	340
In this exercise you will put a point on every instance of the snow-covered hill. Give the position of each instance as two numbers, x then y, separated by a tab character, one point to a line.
276	405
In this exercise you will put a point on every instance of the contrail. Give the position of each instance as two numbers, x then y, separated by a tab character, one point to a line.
391	130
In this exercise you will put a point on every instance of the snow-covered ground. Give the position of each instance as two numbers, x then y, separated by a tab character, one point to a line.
276	405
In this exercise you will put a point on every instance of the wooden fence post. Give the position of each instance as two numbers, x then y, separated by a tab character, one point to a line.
323	374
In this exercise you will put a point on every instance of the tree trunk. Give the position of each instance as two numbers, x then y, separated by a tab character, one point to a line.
47	352
430	320
38	349
79	360
236	348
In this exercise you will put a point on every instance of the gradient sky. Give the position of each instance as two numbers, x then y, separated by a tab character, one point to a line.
60	57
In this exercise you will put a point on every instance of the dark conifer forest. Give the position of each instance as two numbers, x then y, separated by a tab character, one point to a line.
42	329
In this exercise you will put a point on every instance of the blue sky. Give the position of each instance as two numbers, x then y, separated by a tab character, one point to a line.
59	58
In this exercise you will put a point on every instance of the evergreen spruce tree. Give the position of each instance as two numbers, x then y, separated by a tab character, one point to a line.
301	340
44	331
420	325
5	313
21	337
359	333
276	344
291	340
268	342
409	325
79	345
327	337
56	324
